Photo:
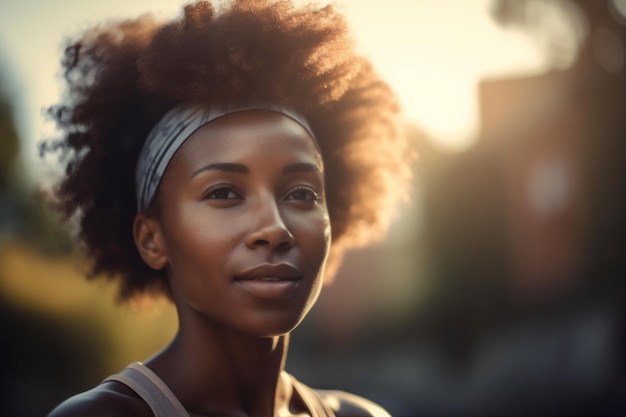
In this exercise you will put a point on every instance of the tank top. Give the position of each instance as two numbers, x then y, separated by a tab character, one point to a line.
164	403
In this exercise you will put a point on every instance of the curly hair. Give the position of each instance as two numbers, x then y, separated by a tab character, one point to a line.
123	76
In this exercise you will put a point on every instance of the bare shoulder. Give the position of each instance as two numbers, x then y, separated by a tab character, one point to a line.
345	404
110	399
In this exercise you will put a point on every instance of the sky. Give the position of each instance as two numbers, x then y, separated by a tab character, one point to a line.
432	52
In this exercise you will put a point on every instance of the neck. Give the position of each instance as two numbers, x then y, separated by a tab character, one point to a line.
215	371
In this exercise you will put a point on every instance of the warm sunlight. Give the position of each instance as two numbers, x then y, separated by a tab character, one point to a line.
432	52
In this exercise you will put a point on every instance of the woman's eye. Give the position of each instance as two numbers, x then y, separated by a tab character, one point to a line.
303	194
220	193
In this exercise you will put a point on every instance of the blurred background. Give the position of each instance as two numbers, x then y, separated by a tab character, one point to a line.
500	288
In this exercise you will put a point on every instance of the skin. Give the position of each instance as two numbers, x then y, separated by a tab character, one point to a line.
243	232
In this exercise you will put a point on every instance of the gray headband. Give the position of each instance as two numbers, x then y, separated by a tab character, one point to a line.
173	130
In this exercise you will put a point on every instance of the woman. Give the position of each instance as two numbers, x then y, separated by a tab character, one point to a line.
261	147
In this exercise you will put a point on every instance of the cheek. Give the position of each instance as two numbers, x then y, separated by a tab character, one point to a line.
199	233
327	237
315	236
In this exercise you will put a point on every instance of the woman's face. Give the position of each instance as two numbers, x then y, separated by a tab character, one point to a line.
244	223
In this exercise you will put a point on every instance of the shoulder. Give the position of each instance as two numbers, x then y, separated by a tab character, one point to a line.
110	399
345	404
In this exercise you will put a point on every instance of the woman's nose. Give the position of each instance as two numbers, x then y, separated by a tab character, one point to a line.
268	228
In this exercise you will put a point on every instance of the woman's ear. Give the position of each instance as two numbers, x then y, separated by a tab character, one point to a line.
149	241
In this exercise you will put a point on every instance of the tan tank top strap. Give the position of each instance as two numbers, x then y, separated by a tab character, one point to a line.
313	400
151	389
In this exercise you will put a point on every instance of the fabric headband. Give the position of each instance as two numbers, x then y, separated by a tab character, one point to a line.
173	130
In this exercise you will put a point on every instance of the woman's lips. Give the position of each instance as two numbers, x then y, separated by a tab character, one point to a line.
270	281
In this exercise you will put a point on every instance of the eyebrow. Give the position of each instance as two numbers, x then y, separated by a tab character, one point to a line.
223	166
244	170
301	167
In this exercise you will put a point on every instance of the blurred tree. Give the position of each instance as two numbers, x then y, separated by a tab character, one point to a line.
9	150
559	26
24	213
9	141
586	31
42	355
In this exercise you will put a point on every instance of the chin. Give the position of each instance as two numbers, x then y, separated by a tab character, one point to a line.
264	327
